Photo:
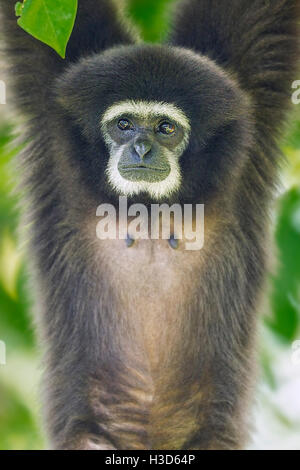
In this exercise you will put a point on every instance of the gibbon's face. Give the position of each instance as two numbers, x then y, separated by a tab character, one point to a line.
145	142
155	123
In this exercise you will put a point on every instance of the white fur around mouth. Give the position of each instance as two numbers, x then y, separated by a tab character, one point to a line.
155	190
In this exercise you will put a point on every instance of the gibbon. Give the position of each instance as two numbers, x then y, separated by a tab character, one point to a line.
149	345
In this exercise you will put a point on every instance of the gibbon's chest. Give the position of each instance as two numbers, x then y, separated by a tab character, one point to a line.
153	286
153	281
153	268
150	268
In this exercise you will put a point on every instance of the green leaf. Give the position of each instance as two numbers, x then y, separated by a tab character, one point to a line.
50	21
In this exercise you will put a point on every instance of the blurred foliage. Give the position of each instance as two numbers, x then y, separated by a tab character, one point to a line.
151	17
285	297
285	293
19	416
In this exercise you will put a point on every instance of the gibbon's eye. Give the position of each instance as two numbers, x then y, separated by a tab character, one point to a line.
166	128
124	125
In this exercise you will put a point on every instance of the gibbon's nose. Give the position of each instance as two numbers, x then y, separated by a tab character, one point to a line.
142	148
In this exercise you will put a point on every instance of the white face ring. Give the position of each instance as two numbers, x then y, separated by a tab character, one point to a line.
145	110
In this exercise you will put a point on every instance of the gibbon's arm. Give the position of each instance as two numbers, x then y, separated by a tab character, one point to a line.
256	41
34	65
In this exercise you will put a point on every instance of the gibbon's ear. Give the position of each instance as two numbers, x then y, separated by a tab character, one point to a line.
34	65
256	41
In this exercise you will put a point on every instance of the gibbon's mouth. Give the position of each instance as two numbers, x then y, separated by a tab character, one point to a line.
143	172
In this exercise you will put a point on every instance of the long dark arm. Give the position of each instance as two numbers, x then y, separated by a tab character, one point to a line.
34	65
256	41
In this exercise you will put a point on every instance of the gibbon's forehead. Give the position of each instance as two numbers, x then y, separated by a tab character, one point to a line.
146	110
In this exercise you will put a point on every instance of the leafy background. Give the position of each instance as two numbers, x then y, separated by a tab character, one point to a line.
277	409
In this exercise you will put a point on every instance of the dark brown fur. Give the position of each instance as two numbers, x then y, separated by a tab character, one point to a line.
149	348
